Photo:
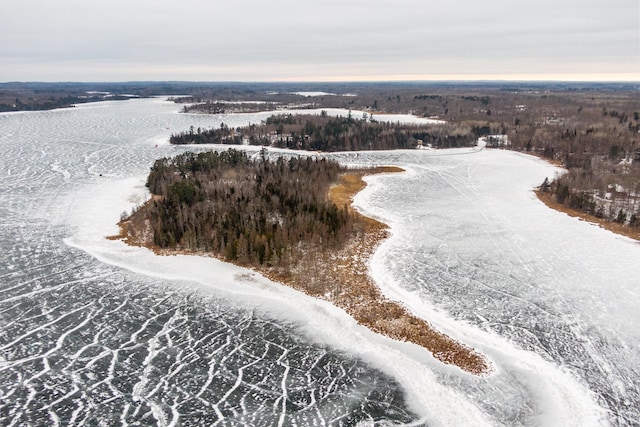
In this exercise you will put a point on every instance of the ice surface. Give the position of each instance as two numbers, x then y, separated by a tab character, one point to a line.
116	334
472	245
87	342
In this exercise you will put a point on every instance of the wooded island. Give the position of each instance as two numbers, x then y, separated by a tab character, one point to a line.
289	219
256	212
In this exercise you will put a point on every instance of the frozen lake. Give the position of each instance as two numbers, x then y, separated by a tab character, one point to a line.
92	331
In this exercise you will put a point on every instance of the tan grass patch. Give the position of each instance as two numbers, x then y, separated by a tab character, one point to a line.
361	298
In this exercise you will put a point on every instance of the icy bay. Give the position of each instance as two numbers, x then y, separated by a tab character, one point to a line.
92	330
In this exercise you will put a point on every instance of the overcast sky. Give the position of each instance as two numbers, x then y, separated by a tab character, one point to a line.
319	40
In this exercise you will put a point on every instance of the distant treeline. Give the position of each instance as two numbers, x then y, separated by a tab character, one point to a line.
253	211
53	102
324	133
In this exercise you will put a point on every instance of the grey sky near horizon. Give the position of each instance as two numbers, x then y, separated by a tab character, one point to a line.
323	40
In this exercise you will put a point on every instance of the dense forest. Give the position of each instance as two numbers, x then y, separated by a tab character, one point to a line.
253	211
324	133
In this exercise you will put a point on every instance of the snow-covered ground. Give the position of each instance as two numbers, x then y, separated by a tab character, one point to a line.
551	300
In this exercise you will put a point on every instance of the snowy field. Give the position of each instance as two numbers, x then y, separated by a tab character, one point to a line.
93	331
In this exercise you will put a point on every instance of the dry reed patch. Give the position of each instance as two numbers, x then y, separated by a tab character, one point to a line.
360	297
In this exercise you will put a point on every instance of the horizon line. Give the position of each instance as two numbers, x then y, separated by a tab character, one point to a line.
434	81
398	78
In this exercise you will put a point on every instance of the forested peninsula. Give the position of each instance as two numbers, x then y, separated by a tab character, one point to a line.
290	219
329	134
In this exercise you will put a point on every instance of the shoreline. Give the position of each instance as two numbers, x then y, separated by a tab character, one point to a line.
341	277
614	227
550	202
393	319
